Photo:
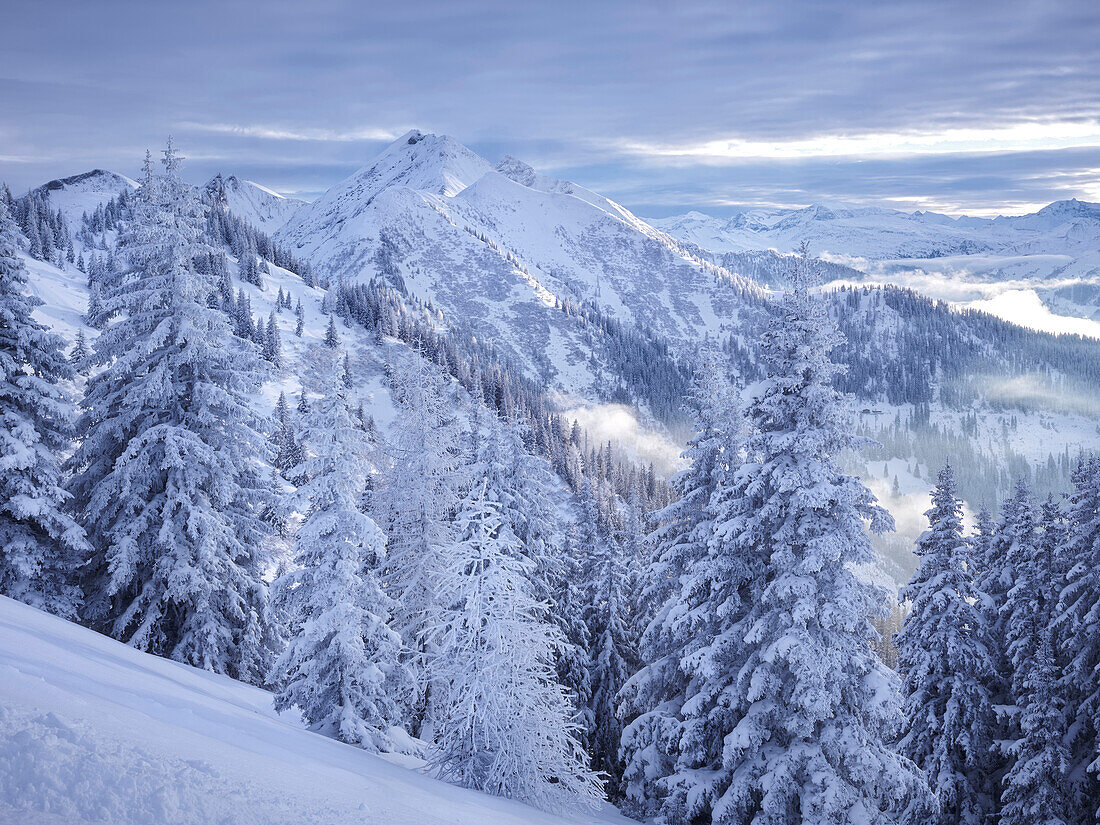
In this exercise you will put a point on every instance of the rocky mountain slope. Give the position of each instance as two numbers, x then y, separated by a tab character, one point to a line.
499	248
264	208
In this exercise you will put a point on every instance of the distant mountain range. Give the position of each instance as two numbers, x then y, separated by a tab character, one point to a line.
1064	227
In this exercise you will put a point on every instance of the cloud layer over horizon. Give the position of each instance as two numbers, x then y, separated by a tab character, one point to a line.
977	108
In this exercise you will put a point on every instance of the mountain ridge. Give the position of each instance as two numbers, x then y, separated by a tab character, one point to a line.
879	233
500	245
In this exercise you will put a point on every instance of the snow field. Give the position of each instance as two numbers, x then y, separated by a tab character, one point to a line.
92	731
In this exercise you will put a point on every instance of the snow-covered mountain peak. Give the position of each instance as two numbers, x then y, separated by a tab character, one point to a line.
81	194
1057	214
1072	207
797	221
437	164
97	180
419	163
498	248
236	182
517	170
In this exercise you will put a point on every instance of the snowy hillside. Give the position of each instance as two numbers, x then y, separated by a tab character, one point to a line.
64	295
80	194
255	204
94	731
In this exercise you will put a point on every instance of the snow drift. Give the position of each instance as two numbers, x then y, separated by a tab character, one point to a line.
94	731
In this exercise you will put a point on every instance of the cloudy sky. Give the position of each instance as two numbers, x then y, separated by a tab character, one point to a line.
957	106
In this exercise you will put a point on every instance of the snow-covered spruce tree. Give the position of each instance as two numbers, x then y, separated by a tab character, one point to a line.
1021	612
789	710
945	661
332	338
342	665
346	372
40	544
80	353
655	694
1013	542
1035	787
169	477
612	654
504	723
288	452
1077	622
413	502
272	349
994	576
528	490
573	665
980	542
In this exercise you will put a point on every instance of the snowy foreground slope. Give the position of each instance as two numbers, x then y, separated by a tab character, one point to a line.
94	731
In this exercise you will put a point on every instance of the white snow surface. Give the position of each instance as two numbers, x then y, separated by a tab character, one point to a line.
93	731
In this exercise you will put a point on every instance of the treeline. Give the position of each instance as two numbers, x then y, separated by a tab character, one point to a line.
982	475
247	243
642	366
46	230
106	217
902	348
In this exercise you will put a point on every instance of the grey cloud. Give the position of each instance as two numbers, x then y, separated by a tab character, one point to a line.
563	81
